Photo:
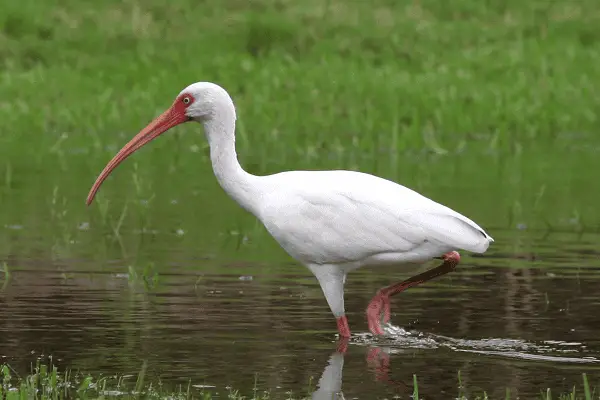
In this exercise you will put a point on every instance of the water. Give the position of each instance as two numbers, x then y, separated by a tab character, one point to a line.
522	319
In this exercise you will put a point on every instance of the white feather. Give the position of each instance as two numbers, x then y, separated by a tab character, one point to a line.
347	217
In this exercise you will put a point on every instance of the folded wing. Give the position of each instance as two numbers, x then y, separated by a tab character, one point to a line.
344	216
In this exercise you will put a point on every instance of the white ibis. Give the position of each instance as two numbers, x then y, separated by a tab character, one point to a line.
333	222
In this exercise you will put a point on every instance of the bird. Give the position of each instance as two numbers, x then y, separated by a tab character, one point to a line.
331	221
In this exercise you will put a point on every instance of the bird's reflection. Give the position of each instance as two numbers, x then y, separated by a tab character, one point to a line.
378	358
329	386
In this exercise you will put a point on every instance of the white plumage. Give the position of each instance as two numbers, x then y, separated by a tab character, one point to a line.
331	221
354	219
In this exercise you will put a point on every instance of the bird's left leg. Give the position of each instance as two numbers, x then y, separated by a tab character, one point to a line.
332	279
380	304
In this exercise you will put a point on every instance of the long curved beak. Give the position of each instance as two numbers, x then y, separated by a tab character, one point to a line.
161	124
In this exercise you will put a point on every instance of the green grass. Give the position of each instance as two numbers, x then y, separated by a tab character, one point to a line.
46	382
394	88
490	107
487	106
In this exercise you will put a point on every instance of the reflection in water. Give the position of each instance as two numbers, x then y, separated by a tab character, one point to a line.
330	384
378	360
500	320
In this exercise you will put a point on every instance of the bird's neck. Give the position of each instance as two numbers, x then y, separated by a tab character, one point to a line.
237	183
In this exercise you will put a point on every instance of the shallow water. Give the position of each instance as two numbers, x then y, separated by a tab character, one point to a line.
526	320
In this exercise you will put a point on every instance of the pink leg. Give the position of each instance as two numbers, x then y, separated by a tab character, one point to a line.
344	329
379	307
342	345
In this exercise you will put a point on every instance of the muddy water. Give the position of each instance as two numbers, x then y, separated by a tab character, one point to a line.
526	319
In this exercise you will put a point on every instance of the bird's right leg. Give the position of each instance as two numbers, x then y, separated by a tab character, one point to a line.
380	304
331	278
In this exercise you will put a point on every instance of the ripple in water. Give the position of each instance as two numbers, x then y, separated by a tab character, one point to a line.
398	339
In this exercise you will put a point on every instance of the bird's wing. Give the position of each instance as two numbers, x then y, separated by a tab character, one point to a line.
342	216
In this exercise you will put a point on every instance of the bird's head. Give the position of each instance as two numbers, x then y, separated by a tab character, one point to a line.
200	101
203	100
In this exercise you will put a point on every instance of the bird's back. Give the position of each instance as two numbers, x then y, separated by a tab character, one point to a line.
346	216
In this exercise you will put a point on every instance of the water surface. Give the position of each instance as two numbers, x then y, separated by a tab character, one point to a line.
524	319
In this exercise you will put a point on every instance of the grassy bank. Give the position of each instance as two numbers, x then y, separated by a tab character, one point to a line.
46	382
489	107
